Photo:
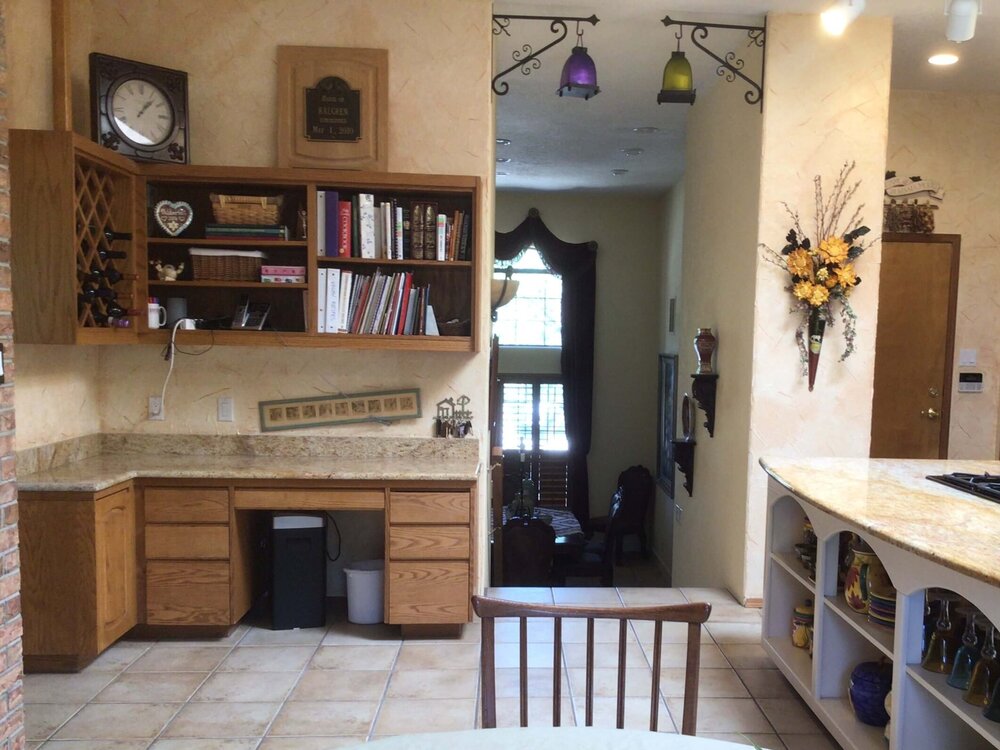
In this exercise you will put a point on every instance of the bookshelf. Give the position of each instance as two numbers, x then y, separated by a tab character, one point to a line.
50	170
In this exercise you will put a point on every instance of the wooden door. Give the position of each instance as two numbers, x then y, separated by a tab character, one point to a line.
114	542
914	346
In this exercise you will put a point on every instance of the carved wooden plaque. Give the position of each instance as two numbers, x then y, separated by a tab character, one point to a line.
333	107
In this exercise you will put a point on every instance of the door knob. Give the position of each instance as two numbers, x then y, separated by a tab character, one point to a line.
931	413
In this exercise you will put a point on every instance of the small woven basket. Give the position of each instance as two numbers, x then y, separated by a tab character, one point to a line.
234	266
246	209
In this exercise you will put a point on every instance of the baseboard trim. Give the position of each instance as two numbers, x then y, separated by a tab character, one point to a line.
754	602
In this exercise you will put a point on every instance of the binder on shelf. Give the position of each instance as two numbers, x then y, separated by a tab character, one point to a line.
333	300
321	223
346	278
321	301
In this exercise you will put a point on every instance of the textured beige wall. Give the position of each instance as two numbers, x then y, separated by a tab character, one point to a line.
952	137
827	102
626	228
717	291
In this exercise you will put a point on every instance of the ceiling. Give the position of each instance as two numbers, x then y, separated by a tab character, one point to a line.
566	143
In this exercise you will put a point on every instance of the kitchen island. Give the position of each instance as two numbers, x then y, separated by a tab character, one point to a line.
926	535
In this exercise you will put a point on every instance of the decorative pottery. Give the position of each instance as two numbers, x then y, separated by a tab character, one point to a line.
985	675
940	653
687	417
870	683
816	328
802	618
704	346
865	572
888	710
173	216
968	653
992	711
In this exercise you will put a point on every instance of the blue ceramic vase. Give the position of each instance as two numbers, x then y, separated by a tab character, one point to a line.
871	681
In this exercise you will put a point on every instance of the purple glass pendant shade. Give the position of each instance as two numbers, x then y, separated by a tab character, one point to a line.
579	75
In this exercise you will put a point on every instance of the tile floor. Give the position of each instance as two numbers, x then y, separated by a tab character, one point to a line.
331	687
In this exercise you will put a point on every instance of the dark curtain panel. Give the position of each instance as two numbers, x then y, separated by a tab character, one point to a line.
576	265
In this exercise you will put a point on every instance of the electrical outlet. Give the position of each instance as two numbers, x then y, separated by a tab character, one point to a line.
678	514
155	411
225	405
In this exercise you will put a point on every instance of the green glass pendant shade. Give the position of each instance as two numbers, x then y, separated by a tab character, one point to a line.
678	81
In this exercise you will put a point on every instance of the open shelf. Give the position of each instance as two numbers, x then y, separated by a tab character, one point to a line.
937	685
794	662
231	284
230	337
224	242
881	638
794	568
395	262
850	732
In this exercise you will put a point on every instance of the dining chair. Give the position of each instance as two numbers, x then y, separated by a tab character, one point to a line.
528	547
635	493
594	560
694	615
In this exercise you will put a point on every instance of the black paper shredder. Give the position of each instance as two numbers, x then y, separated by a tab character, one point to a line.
298	570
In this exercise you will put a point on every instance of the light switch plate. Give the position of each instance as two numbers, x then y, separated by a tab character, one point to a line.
225	408
967	357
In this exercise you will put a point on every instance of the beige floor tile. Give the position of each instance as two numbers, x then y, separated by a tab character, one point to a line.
636	713
267	659
64	688
470	633
809	742
438	656
324	719
710	595
734	613
345	633
674	655
765	741
712	683
32	745
587	596
295	637
735	632
238	720
534	595
540	630
673	632
179	658
196	744
747	656
790	716
428	684
643	596
766	683
508	683
42	719
118	721
93	744
152	687
539	713
354	657
400	716
605	654
336	685
638	682
118	657
508	655
246	687
605	631
231	639
309	743
724	715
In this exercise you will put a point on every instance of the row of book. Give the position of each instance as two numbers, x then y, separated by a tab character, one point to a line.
381	304
359	227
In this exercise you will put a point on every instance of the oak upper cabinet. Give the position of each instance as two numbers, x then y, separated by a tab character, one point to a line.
79	575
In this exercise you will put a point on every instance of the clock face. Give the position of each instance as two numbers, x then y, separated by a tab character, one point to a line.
141	113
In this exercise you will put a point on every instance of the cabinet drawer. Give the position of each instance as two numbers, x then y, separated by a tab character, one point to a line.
429	507
186	505
427	592
187	593
429	542
187	542
307	499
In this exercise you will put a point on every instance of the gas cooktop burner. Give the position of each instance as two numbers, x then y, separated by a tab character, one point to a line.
984	485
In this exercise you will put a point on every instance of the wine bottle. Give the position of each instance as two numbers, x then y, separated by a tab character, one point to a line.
111	254
109	273
90	292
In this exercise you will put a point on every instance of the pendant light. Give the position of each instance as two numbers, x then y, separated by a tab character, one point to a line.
678	80
579	73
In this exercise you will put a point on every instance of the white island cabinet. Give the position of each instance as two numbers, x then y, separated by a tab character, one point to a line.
927	536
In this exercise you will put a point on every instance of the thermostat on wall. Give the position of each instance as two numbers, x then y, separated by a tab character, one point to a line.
970	382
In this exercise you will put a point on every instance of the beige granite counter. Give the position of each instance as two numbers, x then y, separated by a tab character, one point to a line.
98	462
893	500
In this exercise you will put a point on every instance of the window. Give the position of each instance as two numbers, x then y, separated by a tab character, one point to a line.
534	316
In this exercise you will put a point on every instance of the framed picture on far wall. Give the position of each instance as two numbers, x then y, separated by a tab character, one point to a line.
665	430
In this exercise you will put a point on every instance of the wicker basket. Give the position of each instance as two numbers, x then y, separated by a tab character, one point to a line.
246	209
226	265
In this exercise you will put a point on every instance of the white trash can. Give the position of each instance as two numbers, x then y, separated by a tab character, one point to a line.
365	591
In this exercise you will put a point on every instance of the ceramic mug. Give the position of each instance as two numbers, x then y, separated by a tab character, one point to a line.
157	315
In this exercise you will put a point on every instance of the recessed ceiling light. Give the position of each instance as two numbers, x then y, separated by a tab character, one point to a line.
945	58
840	15
632	151
503	159
646	130
503	141
619	172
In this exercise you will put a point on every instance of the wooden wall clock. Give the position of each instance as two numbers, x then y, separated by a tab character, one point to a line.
139	110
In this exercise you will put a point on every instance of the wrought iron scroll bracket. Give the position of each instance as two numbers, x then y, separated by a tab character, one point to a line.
526	59
730	65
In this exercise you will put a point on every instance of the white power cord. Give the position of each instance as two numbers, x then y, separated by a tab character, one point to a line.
170	355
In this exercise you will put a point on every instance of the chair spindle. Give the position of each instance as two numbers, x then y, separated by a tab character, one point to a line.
556	672
589	718
690	720
524	671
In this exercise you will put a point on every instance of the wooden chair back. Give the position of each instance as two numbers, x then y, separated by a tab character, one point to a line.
693	614
529	545
636	487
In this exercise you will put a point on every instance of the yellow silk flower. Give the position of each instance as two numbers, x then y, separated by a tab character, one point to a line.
800	263
833	250
846	276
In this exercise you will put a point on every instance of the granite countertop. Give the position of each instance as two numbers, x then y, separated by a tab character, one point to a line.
893	500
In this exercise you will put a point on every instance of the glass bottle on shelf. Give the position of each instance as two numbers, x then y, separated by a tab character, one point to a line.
985	674
939	656
89	292
968	653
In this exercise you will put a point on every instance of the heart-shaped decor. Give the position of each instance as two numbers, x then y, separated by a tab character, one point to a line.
173	216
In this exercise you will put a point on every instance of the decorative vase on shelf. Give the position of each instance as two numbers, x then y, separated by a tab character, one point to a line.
704	346
871	682
802	619
816	328
866	572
